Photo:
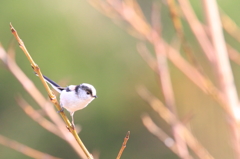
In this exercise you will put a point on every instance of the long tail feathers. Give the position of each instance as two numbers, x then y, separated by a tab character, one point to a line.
53	84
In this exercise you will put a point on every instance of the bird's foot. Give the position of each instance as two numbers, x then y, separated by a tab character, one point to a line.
62	110
73	126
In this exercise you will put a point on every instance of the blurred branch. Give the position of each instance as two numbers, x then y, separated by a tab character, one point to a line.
197	30
170	118
224	71
130	15
28	151
124	144
175	16
32	113
159	133
146	55
230	26
149	34
234	55
165	80
232	29
50	94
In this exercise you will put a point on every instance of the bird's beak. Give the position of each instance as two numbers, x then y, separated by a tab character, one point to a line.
94	96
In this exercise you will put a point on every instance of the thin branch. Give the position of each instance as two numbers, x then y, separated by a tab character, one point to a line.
124	144
224	71
174	12
197	30
36	116
165	80
170	118
233	54
175	16
146	55
28	151
197	78
159	133
50	94
232	29
230	26
130	15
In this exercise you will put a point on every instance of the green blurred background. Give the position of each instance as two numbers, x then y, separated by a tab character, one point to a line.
72	41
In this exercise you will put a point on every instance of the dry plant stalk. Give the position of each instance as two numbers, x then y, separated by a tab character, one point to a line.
36	116
197	29
161	135
28	151
233	30
50	94
165	81
124	144
170	118
224	71
230	26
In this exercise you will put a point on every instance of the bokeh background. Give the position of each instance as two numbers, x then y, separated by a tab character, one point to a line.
71	41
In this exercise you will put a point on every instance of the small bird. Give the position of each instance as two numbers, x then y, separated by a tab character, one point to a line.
74	97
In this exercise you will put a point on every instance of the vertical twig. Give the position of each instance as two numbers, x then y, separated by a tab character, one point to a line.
175	16
223	68
124	144
165	80
197	29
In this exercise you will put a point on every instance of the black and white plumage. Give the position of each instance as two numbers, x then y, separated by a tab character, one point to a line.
74	97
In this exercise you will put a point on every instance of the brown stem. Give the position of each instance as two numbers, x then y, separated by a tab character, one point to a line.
124	144
52	97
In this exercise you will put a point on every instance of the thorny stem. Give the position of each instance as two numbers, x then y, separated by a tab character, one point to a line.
52	97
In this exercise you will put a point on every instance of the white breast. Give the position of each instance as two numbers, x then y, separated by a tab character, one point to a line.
72	102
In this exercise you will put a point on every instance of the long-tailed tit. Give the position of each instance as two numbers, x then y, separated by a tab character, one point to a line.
74	97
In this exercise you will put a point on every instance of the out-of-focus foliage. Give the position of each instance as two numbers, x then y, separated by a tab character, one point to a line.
72	41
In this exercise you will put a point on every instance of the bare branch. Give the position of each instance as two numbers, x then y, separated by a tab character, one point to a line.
197	30
224	71
230	26
32	113
165	79
170	118
159	133
28	151
146	55
233	54
123	145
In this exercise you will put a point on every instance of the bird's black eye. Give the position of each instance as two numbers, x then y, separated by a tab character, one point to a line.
88	93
